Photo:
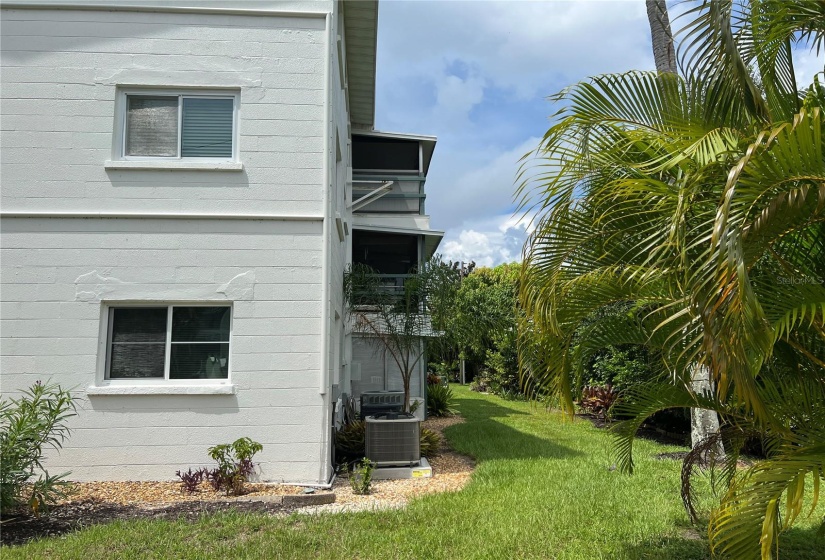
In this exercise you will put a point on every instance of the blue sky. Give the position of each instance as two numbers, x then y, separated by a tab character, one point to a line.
477	74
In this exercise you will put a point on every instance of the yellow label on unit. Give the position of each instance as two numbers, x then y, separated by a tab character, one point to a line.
421	473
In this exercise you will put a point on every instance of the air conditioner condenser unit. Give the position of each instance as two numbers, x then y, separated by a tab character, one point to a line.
393	439
376	402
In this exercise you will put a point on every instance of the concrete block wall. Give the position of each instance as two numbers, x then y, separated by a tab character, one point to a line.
58	277
340	249
61	72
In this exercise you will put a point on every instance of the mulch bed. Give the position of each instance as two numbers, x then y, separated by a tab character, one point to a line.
94	503
131	493
645	432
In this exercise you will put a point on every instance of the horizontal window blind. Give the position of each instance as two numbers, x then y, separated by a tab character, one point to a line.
138	342
196	347
207	127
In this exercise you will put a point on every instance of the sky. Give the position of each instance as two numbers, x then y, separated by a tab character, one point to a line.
477	74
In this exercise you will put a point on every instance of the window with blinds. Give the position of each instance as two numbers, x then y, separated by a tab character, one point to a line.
169	342
179	126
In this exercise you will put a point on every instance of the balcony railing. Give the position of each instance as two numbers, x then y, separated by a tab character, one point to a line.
392	291
394	283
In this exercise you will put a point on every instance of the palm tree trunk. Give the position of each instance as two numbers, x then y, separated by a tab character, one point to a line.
664	53
703	423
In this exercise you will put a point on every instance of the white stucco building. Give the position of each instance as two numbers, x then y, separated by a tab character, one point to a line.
183	186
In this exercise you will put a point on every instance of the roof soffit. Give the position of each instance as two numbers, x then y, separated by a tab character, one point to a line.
361	35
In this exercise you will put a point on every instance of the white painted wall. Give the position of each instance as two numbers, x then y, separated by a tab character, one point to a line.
59	274
61	70
340	155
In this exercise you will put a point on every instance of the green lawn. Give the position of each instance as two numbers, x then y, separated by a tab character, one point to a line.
543	489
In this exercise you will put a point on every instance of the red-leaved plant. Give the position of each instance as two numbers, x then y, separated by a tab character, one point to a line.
191	480
597	399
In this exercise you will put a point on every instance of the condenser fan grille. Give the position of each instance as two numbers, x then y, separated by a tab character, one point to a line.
393	441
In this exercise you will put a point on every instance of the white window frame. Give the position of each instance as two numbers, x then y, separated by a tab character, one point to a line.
165	380
181	93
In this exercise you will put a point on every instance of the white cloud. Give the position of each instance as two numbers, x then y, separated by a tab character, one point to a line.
459	190
523	46
476	74
455	93
806	64
487	242
470	246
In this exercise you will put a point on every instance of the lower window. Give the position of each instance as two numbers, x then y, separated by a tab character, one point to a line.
168	342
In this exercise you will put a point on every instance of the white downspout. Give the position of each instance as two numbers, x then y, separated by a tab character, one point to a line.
323	389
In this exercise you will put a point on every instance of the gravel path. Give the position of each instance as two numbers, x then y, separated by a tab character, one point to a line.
451	472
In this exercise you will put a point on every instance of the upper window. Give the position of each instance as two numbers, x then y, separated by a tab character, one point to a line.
168	342
180	126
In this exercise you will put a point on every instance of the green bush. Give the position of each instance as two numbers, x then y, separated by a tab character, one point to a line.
512	395
620	367
439	400
447	370
28	425
430	442
481	384
503	384
349	442
234	464
361	477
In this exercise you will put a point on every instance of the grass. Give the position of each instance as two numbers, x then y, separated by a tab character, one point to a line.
544	488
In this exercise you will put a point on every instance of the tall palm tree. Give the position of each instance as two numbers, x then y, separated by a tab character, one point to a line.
700	200
664	52
703	423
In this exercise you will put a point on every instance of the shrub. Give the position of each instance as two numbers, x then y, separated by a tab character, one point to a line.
191	480
430	442
361	477
415	404
621	366
234	464
349	442
28	425
481	384
502	384
444	370
213	476
598	399
512	395
439	400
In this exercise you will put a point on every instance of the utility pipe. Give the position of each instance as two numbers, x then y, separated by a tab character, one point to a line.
323	388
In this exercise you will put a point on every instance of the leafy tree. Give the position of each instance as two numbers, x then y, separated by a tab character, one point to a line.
483	324
399	322
699	202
